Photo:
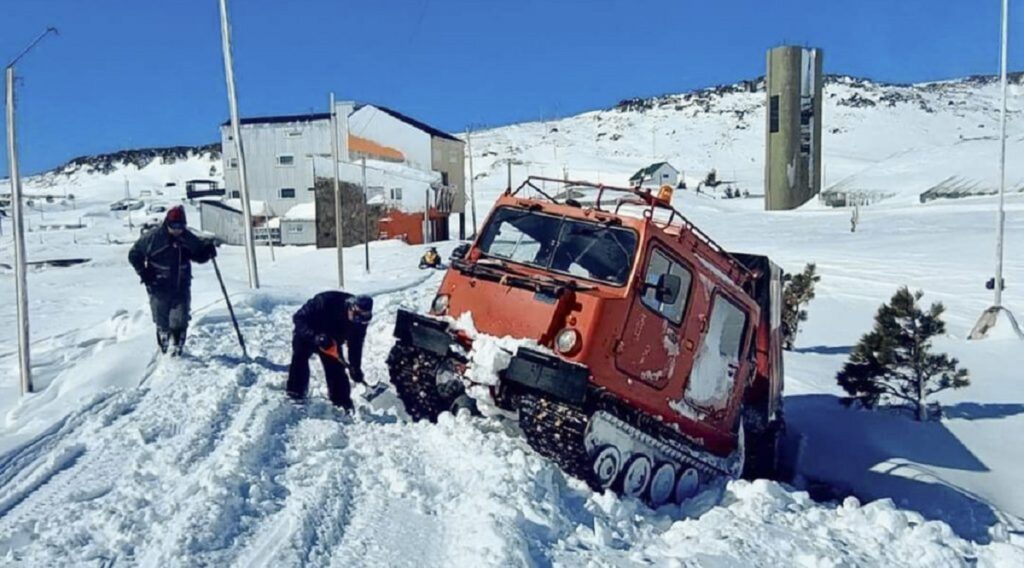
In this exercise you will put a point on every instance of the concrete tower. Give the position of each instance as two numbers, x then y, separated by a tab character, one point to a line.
792	171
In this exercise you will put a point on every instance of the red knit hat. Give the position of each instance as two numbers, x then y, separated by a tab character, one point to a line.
175	216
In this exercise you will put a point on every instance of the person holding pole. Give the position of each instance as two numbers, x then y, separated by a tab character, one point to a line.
322	325
163	260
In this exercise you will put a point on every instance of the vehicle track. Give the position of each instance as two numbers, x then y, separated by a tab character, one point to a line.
215	464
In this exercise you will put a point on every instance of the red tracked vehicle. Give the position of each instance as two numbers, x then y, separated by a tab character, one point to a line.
662	365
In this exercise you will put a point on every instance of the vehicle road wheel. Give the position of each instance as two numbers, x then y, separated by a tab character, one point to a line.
662	484
606	466
687	485
636	476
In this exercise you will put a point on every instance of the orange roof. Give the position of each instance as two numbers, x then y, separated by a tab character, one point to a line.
371	148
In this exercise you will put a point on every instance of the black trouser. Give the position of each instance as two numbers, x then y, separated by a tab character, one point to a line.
170	310
338	388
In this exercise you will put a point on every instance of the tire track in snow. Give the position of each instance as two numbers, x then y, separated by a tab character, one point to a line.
215	456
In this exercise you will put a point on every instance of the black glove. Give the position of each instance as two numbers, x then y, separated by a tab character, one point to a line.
323	341
148	275
211	249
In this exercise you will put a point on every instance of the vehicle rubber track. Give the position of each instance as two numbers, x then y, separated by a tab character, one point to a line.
414	374
556	431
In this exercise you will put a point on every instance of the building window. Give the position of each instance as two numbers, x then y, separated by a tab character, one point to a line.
286	160
295	229
396	193
295	134
233	163
773	114
444	178
286	193
235	194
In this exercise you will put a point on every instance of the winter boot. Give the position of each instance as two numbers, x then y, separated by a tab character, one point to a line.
162	339
178	338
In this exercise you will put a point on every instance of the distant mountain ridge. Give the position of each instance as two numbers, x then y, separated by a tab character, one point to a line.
756	85
721	127
109	162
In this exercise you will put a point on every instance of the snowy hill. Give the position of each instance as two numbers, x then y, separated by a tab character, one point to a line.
122	457
724	128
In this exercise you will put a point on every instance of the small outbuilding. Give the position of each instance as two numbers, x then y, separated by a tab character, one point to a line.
655	175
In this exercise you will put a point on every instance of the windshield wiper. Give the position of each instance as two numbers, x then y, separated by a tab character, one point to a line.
566	283
499	268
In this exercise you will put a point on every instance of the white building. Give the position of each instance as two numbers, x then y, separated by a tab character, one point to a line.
655	176
279	156
414	168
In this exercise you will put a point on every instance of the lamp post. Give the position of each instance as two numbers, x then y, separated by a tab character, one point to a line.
236	132
339	223
990	317
20	280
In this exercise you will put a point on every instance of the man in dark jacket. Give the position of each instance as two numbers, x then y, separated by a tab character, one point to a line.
163	260
322	325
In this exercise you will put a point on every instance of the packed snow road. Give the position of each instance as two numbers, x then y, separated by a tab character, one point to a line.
208	463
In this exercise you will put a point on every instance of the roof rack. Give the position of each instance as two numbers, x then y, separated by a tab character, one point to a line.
646	199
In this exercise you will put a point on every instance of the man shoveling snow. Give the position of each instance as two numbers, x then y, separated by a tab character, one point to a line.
322	325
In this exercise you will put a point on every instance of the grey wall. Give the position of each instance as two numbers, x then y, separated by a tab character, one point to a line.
225	223
792	161
449	156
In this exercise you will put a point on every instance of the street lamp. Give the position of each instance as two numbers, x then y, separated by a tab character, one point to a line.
990	317
20	280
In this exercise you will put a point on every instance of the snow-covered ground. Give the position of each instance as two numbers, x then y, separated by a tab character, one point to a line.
122	457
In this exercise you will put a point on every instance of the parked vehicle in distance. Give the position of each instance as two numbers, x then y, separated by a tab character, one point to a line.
158	207
127	204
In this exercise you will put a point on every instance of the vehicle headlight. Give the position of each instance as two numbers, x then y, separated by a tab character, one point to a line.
567	341
440	305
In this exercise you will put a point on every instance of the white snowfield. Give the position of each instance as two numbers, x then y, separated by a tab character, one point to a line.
125	458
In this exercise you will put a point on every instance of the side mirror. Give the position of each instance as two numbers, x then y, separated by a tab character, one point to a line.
667	290
460	252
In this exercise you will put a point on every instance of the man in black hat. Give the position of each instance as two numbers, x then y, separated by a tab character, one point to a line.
322	325
163	260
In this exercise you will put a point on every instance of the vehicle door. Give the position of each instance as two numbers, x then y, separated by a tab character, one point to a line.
649	347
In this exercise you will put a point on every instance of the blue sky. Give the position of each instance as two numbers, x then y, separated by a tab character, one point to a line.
134	73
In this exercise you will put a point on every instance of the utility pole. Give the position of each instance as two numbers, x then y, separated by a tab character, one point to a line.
236	132
509	162
990	317
128	204
269	233
366	218
472	189
339	225
20	278
427	228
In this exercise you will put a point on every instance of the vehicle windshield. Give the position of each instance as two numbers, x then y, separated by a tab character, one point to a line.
568	246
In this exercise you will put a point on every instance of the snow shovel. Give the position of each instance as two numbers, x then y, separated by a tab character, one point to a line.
231	310
372	391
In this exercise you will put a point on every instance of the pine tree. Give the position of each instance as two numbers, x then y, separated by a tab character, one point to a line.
894	362
798	292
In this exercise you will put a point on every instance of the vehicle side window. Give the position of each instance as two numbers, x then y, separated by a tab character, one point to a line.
660	264
714	370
